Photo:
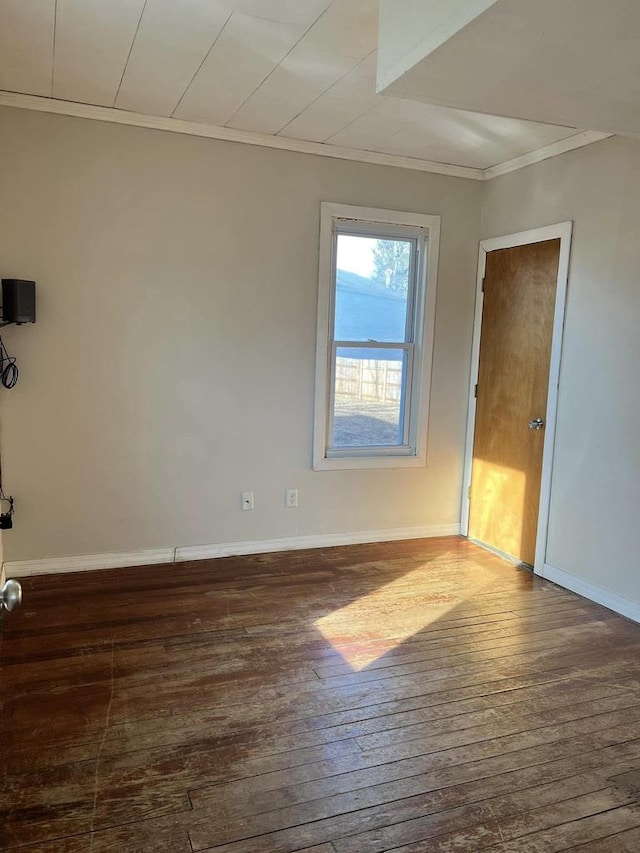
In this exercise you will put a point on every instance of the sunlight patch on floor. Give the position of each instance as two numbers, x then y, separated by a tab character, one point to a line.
368	628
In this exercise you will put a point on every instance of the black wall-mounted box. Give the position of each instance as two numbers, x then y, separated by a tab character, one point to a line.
18	300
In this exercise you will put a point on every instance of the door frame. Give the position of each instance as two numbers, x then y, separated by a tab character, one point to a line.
563	231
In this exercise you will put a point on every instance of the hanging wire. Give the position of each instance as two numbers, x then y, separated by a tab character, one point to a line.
8	367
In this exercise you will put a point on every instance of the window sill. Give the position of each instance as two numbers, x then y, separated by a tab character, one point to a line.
343	463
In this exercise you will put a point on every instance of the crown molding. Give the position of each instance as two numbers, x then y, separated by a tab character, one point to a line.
569	143
229	134
299	146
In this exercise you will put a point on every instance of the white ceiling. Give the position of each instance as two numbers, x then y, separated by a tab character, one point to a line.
301	69
558	61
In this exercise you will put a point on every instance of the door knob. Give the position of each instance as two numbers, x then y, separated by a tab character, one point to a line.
10	595
537	423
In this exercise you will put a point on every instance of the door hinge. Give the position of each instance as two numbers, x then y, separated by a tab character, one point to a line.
475	390
469	493
483	281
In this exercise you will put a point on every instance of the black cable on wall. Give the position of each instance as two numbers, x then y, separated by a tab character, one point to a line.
8	367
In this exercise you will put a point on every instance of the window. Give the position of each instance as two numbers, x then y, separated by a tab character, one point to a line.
376	301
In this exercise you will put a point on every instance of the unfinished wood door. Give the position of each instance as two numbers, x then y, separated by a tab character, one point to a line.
511	406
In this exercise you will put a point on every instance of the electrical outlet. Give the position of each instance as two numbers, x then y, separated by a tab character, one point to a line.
246	501
291	498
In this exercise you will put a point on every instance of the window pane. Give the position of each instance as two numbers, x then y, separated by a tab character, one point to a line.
372	287
369	397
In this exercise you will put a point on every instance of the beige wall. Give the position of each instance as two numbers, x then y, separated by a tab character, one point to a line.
596	480
172	362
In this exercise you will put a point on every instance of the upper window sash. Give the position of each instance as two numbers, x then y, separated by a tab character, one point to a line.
416	236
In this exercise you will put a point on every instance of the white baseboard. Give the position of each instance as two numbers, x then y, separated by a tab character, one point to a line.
61	565
618	603
322	540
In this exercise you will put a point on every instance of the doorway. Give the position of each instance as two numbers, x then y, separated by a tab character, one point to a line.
513	397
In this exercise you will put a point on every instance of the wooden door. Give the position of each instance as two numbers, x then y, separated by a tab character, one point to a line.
513	379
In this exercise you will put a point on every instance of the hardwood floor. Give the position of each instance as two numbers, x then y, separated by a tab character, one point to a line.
413	696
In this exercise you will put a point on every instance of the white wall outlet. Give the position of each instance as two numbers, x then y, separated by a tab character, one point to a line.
246	501
291	498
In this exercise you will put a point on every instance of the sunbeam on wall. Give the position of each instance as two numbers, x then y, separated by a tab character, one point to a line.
392	614
499	505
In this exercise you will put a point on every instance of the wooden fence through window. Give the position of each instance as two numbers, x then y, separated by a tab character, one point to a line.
373	380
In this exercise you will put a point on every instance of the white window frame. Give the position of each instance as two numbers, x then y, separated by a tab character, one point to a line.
400	224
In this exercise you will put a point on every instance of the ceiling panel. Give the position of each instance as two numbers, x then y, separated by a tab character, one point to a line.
322	119
349	98
26	45
172	41
397	109
302	76
93	40
478	140
369	65
368	132
285	11
348	28
246	52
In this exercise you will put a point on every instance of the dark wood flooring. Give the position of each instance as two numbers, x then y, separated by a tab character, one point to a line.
414	696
